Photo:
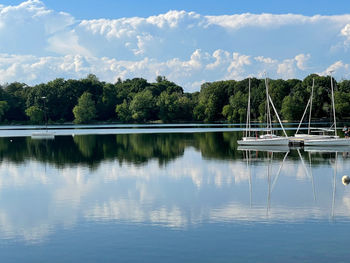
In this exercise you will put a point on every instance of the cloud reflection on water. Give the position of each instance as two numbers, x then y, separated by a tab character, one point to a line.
36	198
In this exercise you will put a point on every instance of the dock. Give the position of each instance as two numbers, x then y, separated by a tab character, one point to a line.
296	142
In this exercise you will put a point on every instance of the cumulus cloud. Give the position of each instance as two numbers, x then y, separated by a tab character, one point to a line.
264	20
301	61
339	67
289	67
25	29
38	44
200	67
346	33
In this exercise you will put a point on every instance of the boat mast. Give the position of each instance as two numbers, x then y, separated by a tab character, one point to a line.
312	94
247	133
268	113
335	120
278	117
302	118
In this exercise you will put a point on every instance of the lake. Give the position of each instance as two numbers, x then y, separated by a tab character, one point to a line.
174	196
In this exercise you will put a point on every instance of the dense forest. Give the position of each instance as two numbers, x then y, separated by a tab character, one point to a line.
136	100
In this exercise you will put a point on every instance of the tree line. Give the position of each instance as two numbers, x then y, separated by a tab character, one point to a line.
136	100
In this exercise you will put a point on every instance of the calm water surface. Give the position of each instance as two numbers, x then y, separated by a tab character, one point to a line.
170	197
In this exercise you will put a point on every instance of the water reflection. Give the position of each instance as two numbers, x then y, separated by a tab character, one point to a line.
167	180
91	150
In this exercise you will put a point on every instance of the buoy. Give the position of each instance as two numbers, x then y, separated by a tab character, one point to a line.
345	179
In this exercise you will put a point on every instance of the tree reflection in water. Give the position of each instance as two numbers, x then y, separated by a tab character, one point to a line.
131	148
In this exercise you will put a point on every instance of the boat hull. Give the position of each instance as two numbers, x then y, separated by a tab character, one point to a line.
327	142
265	141
313	137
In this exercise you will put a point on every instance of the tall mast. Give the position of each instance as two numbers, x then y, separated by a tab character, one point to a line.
268	113
247	133
335	120
312	94
302	118
278	117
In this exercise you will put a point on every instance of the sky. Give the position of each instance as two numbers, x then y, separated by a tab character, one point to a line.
189	42
111	9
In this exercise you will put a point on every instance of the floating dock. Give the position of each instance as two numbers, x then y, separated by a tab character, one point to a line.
296	141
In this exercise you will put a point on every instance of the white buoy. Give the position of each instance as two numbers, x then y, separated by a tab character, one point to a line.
345	180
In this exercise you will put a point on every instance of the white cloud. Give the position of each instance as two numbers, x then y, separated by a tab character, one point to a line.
287	68
187	47
264	20
266	60
221	58
346	33
66	43
302	60
26	28
346	30
269	21
339	67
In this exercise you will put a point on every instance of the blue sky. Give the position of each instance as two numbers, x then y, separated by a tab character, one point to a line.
90	9
189	42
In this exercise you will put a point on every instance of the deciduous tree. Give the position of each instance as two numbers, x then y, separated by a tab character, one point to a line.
85	111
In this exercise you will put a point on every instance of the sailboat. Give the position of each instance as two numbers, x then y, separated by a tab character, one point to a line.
269	138
328	140
318	133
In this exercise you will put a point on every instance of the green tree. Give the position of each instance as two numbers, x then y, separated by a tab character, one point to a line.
85	111
15	97
198	112
143	106
3	108
321	100
174	106
109	101
344	86
184	108
35	114
123	112
288	108
168	107
236	110
227	112
342	104
212	98
278	90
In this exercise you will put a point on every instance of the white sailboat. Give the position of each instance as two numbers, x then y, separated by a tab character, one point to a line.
269	138
329	141
318	133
